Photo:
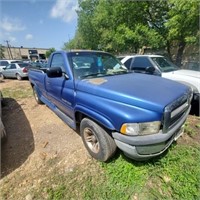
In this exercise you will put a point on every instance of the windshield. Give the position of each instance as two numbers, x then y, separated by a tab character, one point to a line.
164	64
95	64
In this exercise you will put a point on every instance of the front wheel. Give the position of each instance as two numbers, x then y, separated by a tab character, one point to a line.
97	141
35	94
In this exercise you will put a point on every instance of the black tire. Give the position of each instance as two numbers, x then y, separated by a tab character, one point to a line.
97	141
18	77
35	94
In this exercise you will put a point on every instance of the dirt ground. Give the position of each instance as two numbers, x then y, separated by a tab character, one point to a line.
35	136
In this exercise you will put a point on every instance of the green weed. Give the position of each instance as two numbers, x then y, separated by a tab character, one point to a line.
176	176
190	130
17	93
56	193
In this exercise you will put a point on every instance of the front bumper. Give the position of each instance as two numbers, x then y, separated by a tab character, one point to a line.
148	146
24	75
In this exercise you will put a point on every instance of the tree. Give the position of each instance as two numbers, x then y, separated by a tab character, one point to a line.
87	34
1	52
183	24
49	52
116	26
126	26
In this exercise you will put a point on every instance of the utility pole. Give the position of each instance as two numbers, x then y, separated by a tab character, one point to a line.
9	50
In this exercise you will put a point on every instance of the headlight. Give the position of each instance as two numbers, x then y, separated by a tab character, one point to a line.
146	128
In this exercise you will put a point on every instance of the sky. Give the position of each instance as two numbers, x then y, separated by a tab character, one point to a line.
37	23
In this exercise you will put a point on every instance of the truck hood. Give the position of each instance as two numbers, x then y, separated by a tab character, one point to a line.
140	90
187	77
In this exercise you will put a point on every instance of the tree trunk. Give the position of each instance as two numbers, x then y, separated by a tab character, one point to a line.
179	55
169	50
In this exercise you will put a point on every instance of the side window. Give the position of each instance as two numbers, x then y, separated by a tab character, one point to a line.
58	61
128	63
141	63
12	66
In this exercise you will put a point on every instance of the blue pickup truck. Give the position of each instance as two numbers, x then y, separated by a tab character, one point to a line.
111	107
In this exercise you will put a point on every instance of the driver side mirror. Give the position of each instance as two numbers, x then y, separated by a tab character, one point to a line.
150	70
54	72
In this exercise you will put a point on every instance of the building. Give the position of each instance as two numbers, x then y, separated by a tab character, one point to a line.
24	53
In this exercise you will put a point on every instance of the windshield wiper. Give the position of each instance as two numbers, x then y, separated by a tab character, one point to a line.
108	73
118	72
94	74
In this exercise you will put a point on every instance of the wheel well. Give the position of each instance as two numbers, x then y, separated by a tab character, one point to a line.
79	116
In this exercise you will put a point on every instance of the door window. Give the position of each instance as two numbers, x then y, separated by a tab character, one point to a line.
128	63
58	61
11	66
141	63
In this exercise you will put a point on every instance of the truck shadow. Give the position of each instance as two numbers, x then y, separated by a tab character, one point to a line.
19	143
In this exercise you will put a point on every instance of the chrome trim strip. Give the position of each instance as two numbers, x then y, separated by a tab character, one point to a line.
179	109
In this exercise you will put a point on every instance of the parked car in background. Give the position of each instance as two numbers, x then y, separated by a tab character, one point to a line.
38	65
26	61
2	128
5	63
161	66
15	70
41	61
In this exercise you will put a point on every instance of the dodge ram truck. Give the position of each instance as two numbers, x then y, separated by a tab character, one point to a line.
110	107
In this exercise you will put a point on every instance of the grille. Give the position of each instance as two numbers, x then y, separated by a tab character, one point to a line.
174	111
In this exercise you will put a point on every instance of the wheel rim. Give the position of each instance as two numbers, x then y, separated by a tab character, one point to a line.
91	140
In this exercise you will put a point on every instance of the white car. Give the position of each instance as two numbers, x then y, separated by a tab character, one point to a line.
5	63
161	66
15	70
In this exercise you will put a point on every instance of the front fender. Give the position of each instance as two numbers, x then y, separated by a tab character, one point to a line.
112	114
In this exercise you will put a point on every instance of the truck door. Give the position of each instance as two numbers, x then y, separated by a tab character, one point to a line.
60	90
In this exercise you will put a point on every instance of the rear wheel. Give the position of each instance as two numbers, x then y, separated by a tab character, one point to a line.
97	141
18	77
2	76
35	94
